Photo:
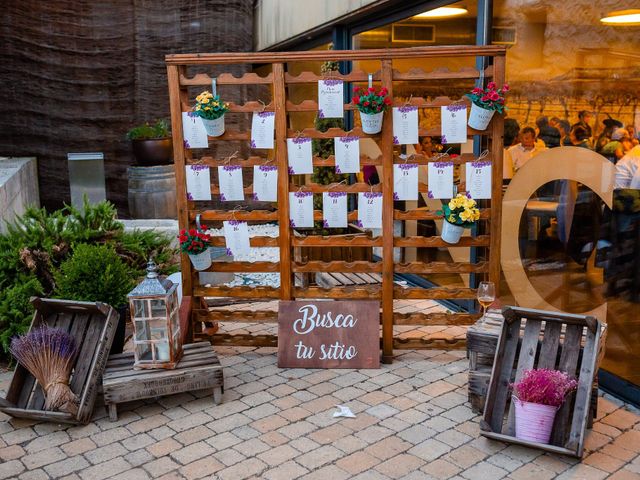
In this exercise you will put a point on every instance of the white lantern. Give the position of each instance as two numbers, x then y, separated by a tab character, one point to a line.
155	315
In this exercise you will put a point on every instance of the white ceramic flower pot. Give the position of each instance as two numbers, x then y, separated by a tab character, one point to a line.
451	233
201	261
214	128
371	122
479	117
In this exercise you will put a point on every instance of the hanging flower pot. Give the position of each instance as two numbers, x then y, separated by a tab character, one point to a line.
372	106
484	103
196	244
451	233
461	212
371	122
202	260
211	111
479	117
537	396
534	421
214	127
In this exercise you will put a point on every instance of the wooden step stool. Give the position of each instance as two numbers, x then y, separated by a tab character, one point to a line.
199	369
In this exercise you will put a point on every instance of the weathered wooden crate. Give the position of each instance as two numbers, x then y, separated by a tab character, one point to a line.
498	421
93	326
199	369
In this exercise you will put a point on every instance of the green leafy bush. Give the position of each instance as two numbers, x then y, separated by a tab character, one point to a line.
160	129
94	273
15	308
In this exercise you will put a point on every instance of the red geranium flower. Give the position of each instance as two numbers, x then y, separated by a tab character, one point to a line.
491	85
387	101
356	100
366	104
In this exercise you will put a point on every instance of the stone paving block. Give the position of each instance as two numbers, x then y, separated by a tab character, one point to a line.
624	474
452	437
395	424
269	423
484	470
294	414
382	411
304	444
279	455
287	471
465	456
102	454
459	414
229	456
245	432
66	466
417	434
400	465
349	444
261	411
138	457
242	470
11	452
202	468
189	436
192	453
251	448
229	423
329	434
38	474
618	452
583	472
164	447
429	449
19	436
604	462
373	434
439	423
160	466
621	419
319	457
349	393
297	429
532	471
273	439
357	462
387	448
133	474
504	462
161	433
329	472
11	469
440	469
105	470
110	436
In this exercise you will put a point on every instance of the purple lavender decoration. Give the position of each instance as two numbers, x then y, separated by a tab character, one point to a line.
48	353
430	194
359	224
253	144
456	107
320	113
395	196
229	252
291	171
325	223
255	196
292	224
223	198
395	140
189	196
186	144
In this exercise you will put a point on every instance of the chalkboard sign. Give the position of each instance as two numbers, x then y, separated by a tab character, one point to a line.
329	334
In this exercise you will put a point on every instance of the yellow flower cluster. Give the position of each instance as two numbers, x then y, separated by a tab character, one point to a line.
470	212
210	106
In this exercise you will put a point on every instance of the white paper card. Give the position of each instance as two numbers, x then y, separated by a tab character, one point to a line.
330	98
347	154
440	178
334	209
236	236
230	181
301	209
193	132
265	183
478	176
405	181
405	125
453	123
198	182
262	125
370	209
299	155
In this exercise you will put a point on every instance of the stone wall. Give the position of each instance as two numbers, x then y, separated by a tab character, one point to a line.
18	188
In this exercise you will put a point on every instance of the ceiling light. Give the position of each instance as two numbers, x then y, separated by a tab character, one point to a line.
622	17
443	12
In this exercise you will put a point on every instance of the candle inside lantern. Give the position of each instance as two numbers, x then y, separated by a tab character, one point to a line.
162	351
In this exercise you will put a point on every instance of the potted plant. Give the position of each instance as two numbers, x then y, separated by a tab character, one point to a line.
537	397
484	103
96	273
196	244
461	212
151	143
211	110
371	104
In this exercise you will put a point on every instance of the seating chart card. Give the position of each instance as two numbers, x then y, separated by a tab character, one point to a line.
405	125
330	98
230	180
405	181
262	128
193	131
265	183
299	155
301	209
236	236
478	177
347	154
334	209
370	209
440	176
198	182
453	123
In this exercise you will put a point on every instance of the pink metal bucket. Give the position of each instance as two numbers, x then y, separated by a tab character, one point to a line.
534	422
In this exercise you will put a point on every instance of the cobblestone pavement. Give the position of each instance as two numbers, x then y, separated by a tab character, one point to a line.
412	422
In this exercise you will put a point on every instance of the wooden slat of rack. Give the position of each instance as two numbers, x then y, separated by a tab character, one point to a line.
439	293
480	241
244	267
434	319
219	162
442	267
202	79
440	343
387	219
331	161
243	339
243	316
363	292
422	160
442	73
253	241
240	291
356	240
330	133
219	215
359	266
426	214
247	107
310	77
337	187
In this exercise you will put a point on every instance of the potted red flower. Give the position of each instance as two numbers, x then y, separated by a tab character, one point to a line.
372	105
484	103
537	397
196	244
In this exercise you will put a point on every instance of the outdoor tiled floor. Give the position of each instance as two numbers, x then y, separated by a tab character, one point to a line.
412	422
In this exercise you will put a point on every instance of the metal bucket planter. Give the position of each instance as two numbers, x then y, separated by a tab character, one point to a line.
214	127
534	421
371	122
451	233
201	261
479	117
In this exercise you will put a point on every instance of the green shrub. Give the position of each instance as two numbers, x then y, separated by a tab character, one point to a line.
94	273
15	309
136	247
160	129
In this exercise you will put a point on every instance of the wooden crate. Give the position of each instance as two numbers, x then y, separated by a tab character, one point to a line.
498	421
93	326
199	369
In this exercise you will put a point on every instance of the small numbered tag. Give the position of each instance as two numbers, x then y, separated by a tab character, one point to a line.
299	155
230	180
236	236
265	183
262	127
370	209
405	125
301	209
198	182
334	209
347	154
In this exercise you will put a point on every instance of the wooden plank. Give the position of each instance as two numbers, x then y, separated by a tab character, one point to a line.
509	439
244	267
253	241
204	80
331	133
242	292
442	267
220	215
338	55
243	340
549	348
344	279
501	376
310	77
568	363
244	316
528	349
434	342
436	293
426	214
355	240
588	370
435	318
353	292
441	73
479	241
336	187
337	266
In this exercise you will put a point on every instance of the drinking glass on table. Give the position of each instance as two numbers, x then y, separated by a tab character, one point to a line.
486	295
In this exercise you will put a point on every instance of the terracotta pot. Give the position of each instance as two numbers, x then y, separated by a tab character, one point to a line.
157	151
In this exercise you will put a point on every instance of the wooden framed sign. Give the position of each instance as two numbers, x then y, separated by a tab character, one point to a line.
329	334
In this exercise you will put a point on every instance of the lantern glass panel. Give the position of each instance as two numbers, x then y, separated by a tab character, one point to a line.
158	308
143	351
141	309
162	351
142	332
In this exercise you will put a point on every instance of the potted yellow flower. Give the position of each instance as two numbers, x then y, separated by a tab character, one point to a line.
461	212
211	110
